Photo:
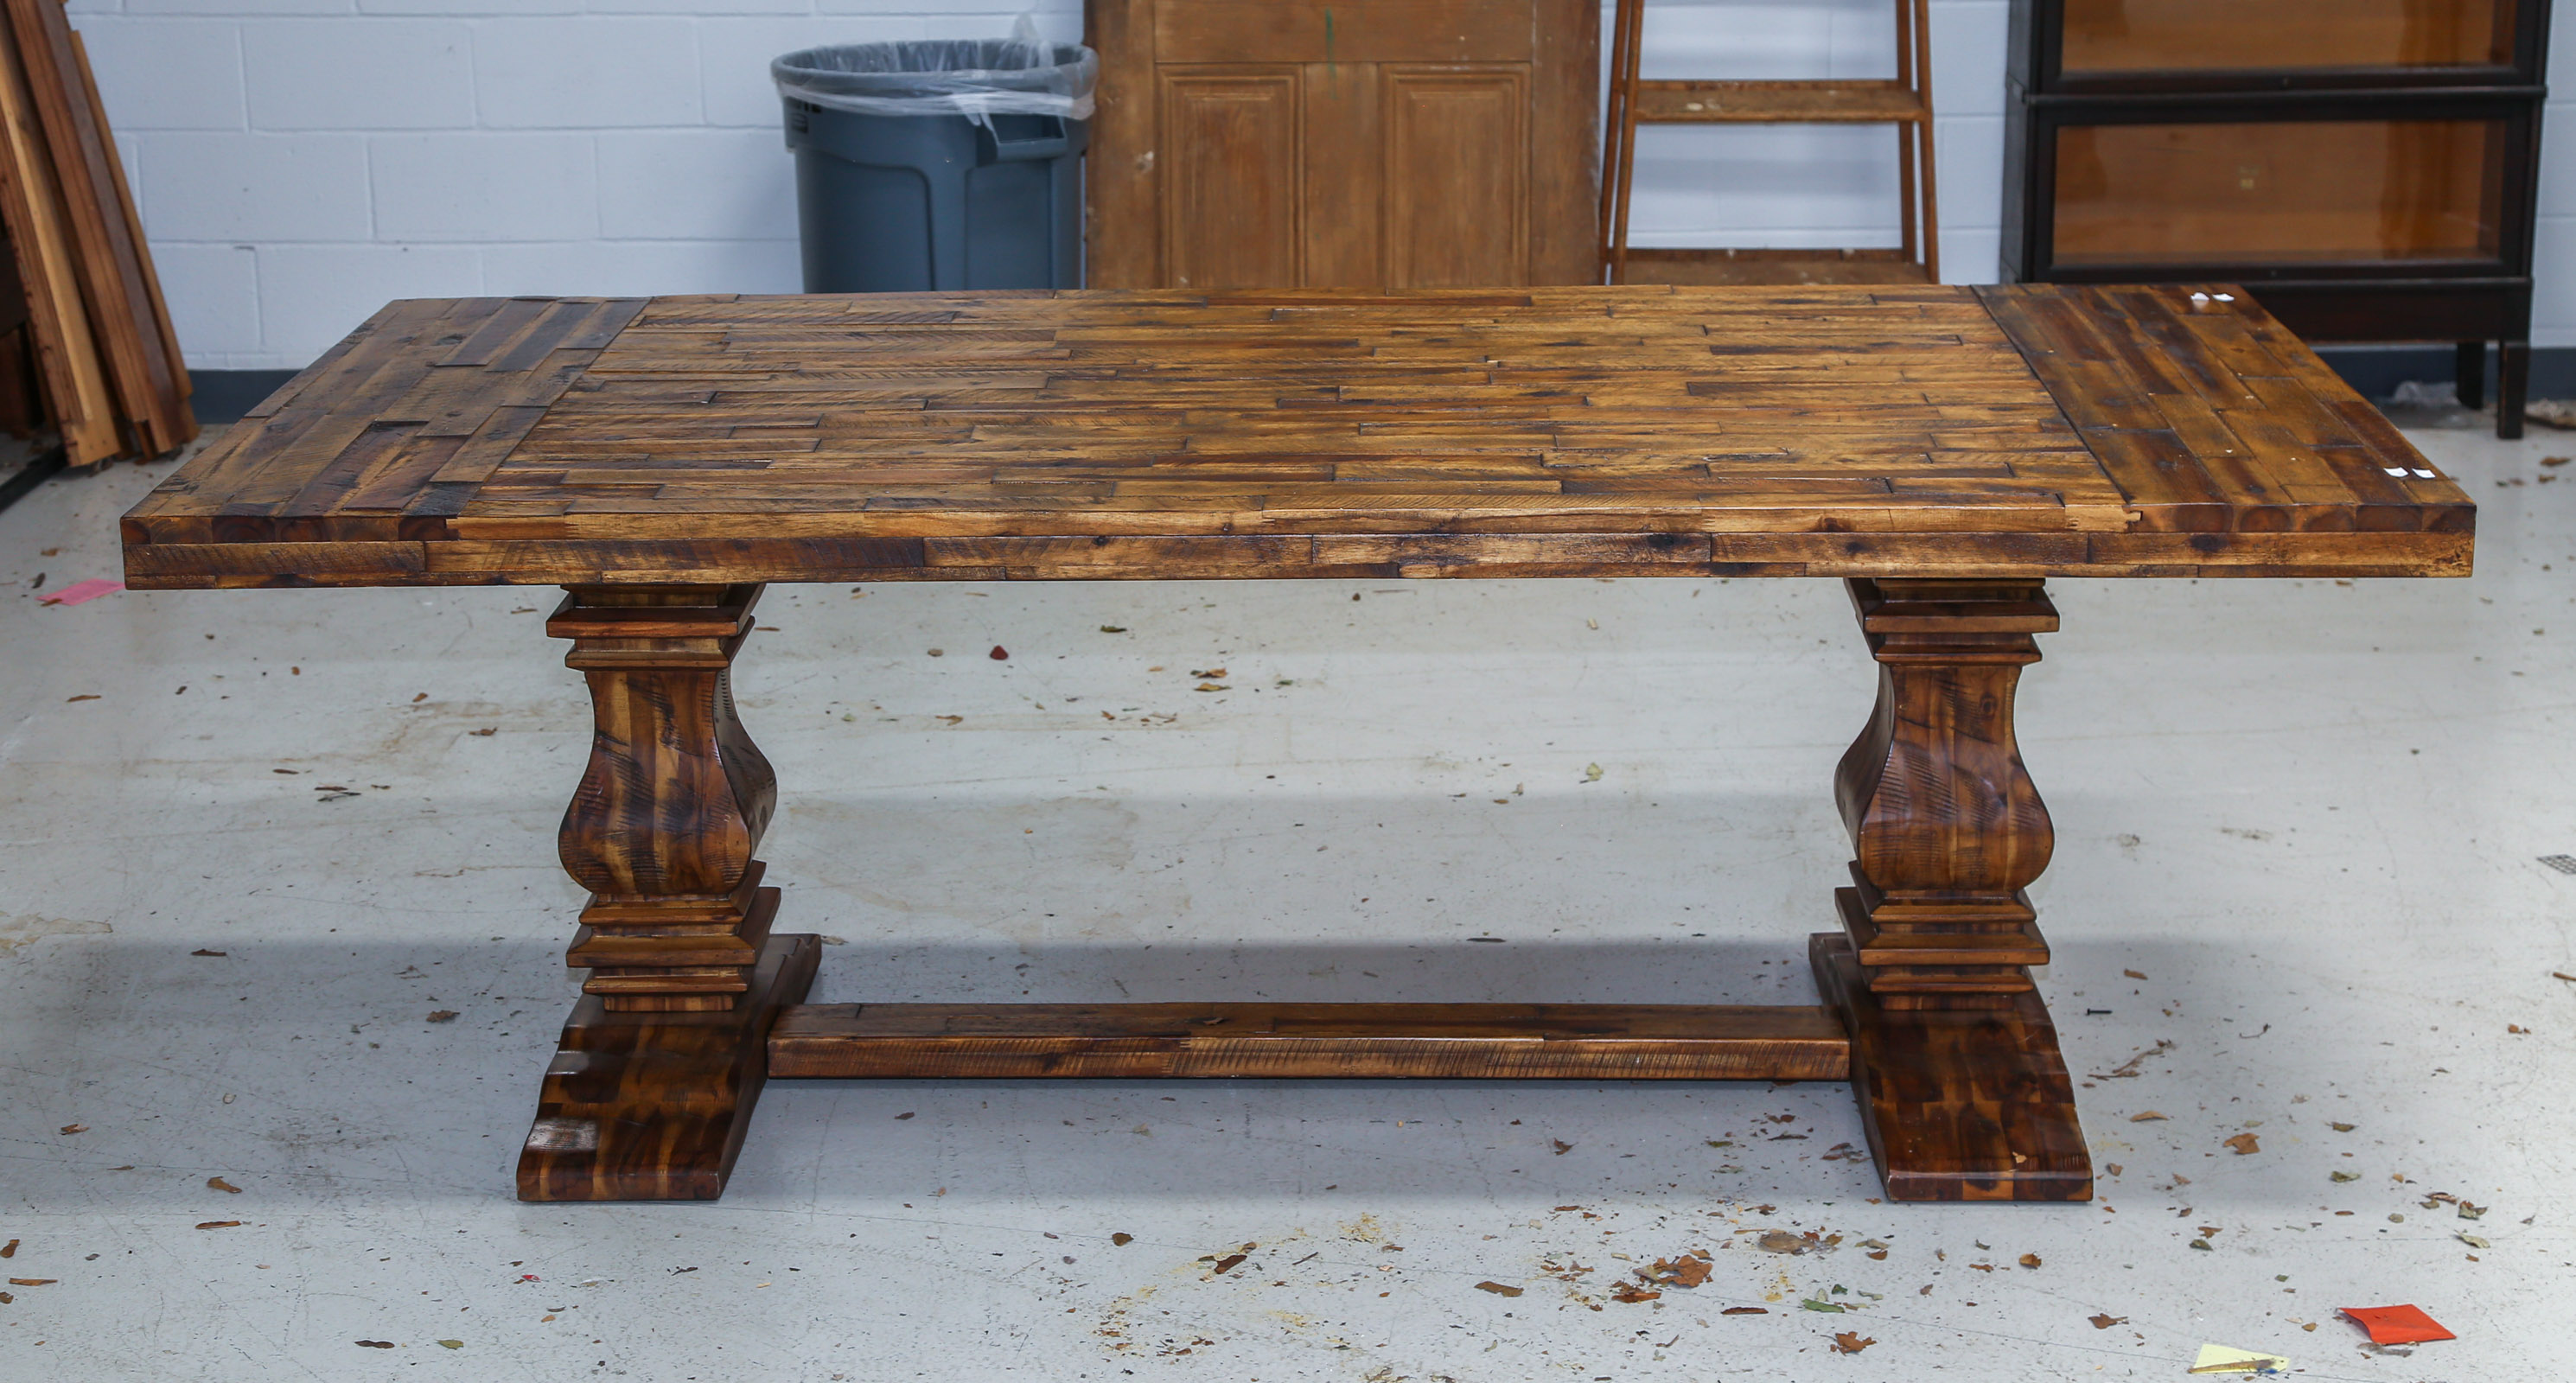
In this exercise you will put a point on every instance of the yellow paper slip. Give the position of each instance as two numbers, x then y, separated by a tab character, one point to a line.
2221	1359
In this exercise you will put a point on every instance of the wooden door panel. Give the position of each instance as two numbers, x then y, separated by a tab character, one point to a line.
1230	141
1345	175
1457	176
1342	143
1343	31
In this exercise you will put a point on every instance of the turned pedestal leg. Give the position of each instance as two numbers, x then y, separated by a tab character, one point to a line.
653	1087
1954	1058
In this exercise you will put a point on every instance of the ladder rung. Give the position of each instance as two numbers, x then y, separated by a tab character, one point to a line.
1705	267
1786	103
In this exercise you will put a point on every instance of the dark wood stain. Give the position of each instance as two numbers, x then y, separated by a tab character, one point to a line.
1311	1041
1942	449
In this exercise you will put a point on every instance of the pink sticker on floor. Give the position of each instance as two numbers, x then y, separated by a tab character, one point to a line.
79	591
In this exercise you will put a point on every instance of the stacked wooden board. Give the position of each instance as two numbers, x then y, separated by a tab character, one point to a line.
106	360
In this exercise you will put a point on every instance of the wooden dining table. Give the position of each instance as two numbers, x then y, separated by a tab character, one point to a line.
1941	450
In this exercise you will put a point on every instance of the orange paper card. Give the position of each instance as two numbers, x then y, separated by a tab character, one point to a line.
2397	1325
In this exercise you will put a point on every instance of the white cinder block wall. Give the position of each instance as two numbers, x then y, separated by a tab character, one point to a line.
299	162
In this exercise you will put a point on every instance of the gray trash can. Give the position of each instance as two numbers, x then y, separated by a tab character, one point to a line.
941	164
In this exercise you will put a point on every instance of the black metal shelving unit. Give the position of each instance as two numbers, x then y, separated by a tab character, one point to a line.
2368	169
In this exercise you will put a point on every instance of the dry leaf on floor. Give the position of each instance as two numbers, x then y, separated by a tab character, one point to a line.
1498	1289
219	1184
999	654
2103	1320
75	1128
2030	1260
1781	1241
1688	1270
218	1224
202	951
1852	1342
444	1015
1562	1147
375	1344
2244	1143
2129	1068
2344	1176
33	1281
2148	1116
1746	1311
1122	1239
2132	974
451	1344
1229	1261
9	1250
1632	1293
1592	773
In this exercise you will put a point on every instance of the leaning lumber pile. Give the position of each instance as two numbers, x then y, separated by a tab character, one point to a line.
86	325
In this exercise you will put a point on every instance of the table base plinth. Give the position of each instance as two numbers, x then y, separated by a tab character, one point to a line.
1959	1105
1971	1104
653	1106
1929	1008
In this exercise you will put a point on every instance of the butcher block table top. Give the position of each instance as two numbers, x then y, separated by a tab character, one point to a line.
2017	431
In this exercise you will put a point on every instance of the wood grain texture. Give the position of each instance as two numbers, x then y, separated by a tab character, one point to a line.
655	1106
1947	827
1366	144
32	201
1312	1041
1972	1105
1826	431
150	385
673	802
124	390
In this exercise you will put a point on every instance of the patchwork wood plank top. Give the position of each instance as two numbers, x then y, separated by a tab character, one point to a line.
2027	430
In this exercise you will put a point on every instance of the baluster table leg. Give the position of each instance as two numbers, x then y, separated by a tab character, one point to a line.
1954	1058
652	1089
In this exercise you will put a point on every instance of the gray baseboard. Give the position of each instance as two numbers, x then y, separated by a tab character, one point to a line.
2376	371
223	396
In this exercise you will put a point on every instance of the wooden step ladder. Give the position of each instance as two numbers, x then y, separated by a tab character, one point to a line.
1904	102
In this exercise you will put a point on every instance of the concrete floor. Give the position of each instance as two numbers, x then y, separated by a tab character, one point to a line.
2306	815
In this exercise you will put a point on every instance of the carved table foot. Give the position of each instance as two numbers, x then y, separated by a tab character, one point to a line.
653	1106
1960	1104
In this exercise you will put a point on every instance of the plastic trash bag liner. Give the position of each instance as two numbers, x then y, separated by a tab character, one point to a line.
975	78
